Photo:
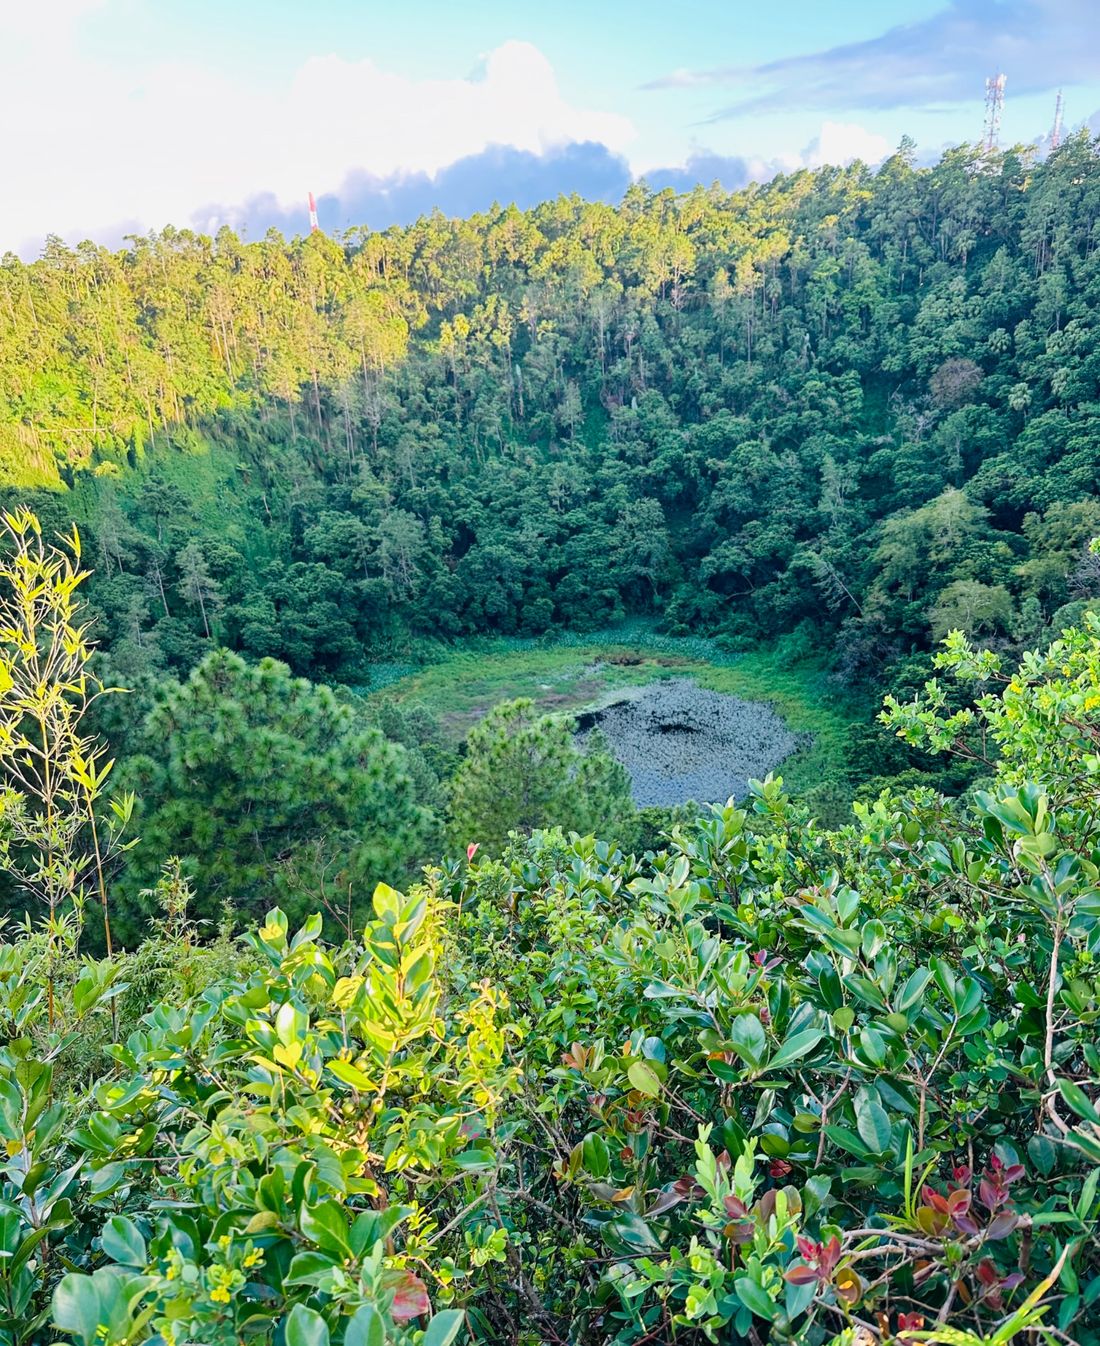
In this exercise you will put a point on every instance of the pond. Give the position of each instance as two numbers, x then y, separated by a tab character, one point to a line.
680	741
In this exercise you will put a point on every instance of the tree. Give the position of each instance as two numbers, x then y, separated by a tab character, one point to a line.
197	585
642	554
570	412
953	382
523	771
270	788
56	839
972	607
919	544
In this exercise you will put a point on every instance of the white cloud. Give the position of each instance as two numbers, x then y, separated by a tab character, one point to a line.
842	142
42	23
99	146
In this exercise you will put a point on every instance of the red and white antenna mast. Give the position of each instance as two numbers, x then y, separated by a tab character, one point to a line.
1056	129
994	106
314	227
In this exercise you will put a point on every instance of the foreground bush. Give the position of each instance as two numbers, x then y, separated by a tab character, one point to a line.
766	1083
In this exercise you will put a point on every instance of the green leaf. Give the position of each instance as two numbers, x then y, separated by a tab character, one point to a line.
755	1298
310	1267
873	1123
643	1077
123	1243
348	1073
747	1038
912	991
306	1327
76	1307
444	1328
873	1046
797	1045
629	1233
874	936
1042	1153
1088	1195
595	1155
1078	1100
848	1140
475	1158
327	1226
387	902
366	1328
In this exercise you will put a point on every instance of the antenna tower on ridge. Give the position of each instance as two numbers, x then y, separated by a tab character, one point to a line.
314	227
1056	129
994	106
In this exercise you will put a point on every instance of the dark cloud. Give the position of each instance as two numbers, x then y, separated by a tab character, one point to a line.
1039	44
499	173
730	171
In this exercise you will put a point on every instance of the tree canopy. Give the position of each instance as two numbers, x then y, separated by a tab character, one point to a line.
809	406
262	782
523	771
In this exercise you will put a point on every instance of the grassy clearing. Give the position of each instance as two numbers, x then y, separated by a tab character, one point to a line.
574	673
207	473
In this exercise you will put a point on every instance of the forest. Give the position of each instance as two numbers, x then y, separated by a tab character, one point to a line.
329	1024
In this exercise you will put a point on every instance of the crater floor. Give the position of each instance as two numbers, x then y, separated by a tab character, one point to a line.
680	742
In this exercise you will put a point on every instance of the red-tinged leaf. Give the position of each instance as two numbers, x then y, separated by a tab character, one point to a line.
735	1206
766	1204
687	1189
410	1295
934	1199
958	1203
664	1201
800	1275
810	1250
1002	1225
987	1272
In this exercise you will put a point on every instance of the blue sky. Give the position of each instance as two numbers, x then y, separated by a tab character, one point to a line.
133	114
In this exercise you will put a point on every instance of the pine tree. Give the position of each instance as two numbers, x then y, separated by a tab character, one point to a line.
270	790
524	771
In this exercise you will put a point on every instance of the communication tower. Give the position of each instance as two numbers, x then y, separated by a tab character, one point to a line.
1056	129
314	227
994	106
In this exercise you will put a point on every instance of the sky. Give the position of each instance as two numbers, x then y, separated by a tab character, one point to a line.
122	116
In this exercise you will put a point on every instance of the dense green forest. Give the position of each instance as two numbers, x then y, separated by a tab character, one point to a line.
855	405
812	1066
